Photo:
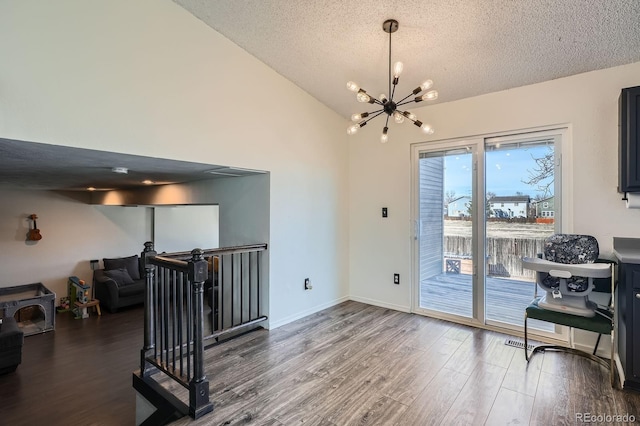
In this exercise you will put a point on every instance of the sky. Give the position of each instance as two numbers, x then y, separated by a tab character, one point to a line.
505	171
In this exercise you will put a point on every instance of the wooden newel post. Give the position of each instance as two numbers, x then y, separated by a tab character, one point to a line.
199	403
149	309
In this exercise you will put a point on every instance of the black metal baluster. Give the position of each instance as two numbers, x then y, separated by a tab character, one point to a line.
166	304
233	290
174	287
258	279
220	324
180	319
241	288
189	327
250	286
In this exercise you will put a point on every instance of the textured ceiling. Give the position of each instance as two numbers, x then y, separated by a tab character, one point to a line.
28	165
467	47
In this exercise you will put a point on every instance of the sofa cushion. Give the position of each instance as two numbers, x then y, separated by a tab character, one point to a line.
133	289
120	276
131	263
10	334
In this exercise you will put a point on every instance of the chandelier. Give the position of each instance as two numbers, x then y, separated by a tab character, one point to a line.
387	104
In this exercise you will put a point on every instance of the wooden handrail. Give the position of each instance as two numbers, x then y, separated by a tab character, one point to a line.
217	251
170	263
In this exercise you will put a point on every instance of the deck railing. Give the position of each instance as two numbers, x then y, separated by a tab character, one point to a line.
175	326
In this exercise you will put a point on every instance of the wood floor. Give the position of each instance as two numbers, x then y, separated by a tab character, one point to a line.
79	374
360	364
350	364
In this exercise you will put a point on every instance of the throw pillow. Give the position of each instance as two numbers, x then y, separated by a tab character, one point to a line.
130	263
120	276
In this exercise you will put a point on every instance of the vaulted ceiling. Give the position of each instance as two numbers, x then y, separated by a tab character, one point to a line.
467	47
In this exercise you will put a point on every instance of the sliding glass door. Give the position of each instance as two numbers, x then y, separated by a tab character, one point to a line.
520	182
480	205
445	246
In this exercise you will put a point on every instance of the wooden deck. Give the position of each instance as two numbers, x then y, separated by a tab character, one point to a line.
505	299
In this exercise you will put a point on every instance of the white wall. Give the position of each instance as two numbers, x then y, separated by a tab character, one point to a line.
73	233
183	228
586	103
145	77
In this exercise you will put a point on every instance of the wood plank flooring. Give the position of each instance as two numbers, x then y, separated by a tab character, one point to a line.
79	374
349	364
360	364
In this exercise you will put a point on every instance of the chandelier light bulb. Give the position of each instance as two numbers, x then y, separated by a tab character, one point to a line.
410	115
358	117
363	97
383	98
397	69
353	129
399	118
430	95
428	84
384	137
427	129
353	86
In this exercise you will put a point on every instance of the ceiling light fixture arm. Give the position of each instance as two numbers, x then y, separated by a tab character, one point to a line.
376	113
405	103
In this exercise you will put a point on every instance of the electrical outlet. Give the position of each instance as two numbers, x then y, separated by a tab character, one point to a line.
307	284
396	278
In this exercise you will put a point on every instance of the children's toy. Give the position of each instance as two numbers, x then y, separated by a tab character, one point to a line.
79	297
78	291
64	304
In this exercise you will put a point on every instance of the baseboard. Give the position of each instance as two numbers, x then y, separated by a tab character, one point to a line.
279	323
380	304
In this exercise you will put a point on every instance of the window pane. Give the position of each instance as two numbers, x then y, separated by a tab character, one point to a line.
520	176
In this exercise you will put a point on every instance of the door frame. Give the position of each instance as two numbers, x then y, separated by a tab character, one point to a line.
563	223
477	143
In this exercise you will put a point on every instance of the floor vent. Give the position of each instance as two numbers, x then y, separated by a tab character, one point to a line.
518	344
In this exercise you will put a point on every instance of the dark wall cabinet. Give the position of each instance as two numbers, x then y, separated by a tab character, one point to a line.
629	323
629	140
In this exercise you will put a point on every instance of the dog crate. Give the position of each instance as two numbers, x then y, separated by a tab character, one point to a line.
32	305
